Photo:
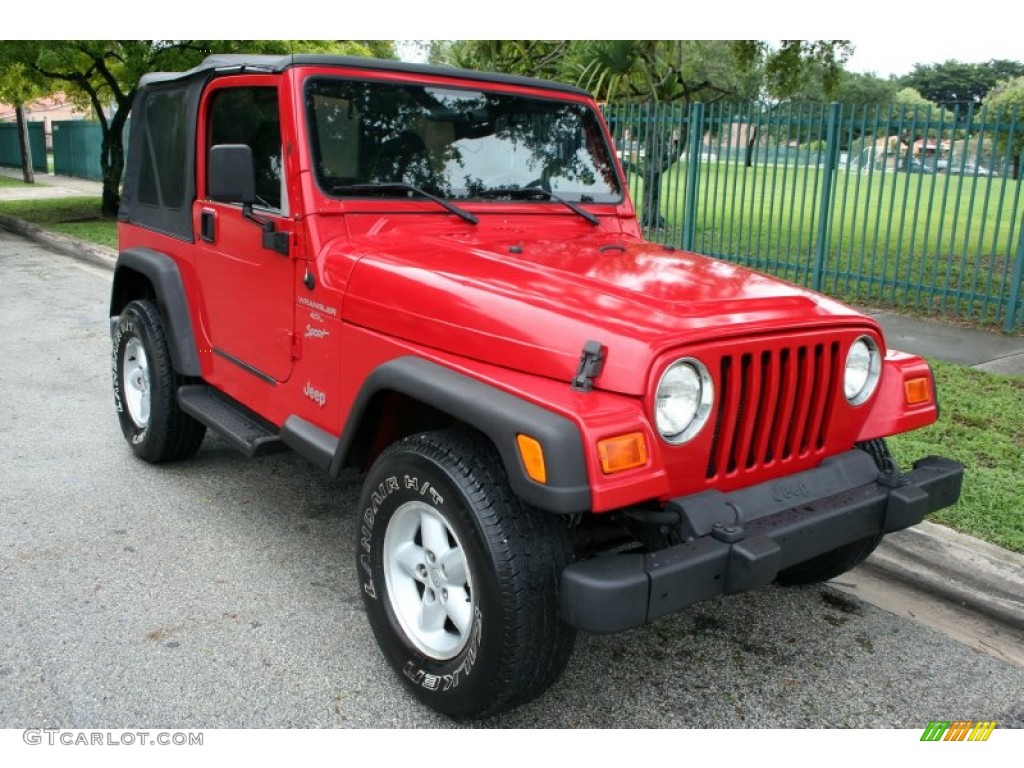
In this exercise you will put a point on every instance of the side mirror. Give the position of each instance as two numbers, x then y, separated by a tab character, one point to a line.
231	175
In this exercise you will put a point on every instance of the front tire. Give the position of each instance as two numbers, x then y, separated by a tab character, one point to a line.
460	578
146	388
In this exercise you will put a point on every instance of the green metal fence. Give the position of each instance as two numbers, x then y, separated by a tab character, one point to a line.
76	148
907	208
10	149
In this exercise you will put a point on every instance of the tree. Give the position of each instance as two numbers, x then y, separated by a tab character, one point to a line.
850	88
104	75
790	65
619	70
18	87
531	58
953	84
678	71
790	70
1005	103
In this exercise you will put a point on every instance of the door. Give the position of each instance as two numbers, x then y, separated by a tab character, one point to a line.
247	288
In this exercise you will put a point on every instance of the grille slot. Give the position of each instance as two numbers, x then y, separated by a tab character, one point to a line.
772	406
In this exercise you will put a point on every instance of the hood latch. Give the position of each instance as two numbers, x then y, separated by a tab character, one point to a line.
591	363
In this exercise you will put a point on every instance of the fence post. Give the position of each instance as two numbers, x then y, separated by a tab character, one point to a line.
1013	306
824	206
695	136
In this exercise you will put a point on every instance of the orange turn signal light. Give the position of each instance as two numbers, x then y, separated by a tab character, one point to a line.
532	454
622	452
917	391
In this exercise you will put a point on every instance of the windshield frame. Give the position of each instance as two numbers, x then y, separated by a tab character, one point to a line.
590	119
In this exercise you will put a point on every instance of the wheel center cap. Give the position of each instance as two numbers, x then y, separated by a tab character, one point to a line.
435	576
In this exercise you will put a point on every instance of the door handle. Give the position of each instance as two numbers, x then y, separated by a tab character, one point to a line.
208	225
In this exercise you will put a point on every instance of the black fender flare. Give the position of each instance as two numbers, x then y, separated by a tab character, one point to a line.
499	415
163	274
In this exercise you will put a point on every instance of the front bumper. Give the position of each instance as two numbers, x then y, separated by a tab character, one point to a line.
739	541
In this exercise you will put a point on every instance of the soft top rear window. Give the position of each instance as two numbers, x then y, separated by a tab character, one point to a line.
162	173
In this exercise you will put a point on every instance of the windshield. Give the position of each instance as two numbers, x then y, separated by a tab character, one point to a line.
456	144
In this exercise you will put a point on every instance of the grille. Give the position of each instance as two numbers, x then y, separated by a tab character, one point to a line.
773	405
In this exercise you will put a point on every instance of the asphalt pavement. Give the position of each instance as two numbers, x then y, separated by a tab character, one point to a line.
974	583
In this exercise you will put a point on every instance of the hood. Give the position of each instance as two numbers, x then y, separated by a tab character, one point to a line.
531	305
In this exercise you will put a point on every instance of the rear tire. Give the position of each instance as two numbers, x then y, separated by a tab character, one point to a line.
146	388
842	559
460	578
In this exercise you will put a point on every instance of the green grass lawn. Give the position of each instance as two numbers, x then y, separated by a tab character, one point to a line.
7	181
981	425
75	216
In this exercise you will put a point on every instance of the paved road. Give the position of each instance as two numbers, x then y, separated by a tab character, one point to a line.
221	593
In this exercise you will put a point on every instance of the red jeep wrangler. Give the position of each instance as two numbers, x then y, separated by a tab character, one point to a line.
437	276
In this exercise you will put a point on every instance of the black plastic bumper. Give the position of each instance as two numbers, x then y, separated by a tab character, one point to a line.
741	540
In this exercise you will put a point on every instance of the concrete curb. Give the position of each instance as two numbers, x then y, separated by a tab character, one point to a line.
98	255
962	570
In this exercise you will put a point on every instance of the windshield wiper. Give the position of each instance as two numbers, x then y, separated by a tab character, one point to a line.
401	186
535	190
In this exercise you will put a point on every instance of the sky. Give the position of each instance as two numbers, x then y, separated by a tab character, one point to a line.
887	57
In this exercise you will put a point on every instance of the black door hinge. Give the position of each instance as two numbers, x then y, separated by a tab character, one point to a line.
591	363
274	240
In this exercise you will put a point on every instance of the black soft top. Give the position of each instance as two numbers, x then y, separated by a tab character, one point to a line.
230	63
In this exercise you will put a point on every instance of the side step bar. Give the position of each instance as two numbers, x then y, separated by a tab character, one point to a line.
249	433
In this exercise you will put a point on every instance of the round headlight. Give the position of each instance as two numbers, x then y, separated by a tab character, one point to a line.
683	401
863	367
